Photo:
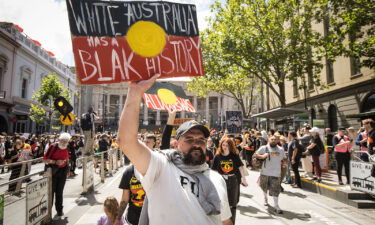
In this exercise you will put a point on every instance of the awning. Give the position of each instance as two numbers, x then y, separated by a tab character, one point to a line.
363	115
279	112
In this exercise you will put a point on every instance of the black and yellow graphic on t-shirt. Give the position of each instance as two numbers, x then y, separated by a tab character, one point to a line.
226	166
137	194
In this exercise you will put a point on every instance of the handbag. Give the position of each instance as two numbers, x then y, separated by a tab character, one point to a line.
258	163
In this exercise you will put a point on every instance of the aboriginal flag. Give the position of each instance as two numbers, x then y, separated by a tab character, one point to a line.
167	96
117	41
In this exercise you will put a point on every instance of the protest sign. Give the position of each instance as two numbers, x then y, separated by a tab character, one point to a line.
234	121
117	41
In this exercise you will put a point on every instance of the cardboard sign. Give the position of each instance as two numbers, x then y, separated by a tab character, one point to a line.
234	121
36	201
361	178
167	96
117	41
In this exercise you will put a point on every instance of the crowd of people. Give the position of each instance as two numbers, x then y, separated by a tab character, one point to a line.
197	173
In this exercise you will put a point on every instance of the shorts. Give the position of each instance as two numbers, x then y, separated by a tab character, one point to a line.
271	184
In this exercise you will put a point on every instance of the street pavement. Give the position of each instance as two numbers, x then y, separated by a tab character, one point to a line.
299	206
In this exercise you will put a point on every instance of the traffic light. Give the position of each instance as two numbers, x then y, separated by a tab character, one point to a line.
62	105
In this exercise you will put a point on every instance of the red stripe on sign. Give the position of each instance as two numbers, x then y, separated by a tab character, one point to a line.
154	102
110	60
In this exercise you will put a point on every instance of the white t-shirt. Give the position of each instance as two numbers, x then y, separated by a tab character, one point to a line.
272	165
172	194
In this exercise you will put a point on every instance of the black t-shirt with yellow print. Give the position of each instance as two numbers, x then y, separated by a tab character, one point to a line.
137	194
228	164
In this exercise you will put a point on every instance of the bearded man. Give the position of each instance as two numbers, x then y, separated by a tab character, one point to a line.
180	187
57	158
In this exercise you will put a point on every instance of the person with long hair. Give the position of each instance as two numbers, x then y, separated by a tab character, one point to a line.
227	162
110	209
316	148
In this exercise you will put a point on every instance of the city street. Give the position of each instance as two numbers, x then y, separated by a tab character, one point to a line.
299	206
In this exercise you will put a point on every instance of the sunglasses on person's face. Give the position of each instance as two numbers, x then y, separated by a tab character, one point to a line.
198	141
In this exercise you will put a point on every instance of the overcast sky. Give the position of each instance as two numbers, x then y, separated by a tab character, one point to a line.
47	22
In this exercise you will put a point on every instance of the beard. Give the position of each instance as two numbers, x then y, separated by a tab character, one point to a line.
63	146
193	157
273	145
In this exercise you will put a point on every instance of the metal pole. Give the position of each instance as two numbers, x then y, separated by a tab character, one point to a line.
102	175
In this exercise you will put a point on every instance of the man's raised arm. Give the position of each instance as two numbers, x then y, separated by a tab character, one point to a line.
136	151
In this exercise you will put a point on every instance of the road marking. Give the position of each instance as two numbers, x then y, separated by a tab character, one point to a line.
319	184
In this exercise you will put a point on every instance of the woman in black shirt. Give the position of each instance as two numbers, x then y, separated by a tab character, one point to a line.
227	162
316	147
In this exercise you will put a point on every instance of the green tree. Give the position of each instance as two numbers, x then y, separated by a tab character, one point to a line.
351	29
223	77
50	89
270	40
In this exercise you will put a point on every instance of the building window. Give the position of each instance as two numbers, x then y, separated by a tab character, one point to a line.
24	88
332	117
295	88
329	71
355	68
369	103
1	78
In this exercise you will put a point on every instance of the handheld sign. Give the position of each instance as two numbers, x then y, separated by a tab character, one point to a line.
67	119
234	121
117	41
62	105
167	96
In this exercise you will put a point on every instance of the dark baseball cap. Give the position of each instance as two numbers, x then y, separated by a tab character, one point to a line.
342	128
191	124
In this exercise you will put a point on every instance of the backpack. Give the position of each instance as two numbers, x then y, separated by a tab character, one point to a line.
257	163
86	123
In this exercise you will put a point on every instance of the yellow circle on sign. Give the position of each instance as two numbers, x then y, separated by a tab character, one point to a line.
167	96
60	103
67	120
146	38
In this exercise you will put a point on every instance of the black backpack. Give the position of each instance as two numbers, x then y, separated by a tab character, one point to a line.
86	123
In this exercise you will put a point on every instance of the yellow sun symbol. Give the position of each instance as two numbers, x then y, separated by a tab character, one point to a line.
167	96
146	38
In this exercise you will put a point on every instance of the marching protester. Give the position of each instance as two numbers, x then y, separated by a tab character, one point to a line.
227	162
173	178
306	158
269	180
342	146
316	148
294	154
57	158
72	148
12	157
88	128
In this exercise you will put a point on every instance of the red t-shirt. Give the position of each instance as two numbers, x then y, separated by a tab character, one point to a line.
57	154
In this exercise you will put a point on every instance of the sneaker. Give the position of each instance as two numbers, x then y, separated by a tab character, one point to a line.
278	210
315	178
281	188
341	183
265	204
319	180
60	213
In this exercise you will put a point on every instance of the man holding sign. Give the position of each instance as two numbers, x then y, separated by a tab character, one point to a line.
178	180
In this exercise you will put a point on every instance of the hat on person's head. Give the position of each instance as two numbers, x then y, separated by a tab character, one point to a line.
314	129
65	137
191	124
342	128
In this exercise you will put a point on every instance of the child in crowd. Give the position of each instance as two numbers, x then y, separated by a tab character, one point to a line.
111	210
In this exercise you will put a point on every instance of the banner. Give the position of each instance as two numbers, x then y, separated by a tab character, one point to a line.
234	121
167	96
117	41
36	201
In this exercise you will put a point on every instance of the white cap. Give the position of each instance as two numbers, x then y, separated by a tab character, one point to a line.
65	136
314	129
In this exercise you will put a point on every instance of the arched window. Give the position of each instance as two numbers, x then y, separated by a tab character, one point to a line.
369	103
332	117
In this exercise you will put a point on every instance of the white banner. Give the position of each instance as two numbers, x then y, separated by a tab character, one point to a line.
36	201
360	177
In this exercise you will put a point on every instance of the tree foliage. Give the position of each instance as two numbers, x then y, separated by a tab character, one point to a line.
50	89
272	41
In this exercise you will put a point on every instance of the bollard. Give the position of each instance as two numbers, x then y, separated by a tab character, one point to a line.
116	159
19	183
102	175
110	161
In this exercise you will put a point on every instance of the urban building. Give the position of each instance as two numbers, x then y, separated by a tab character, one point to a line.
108	101
23	65
349	96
